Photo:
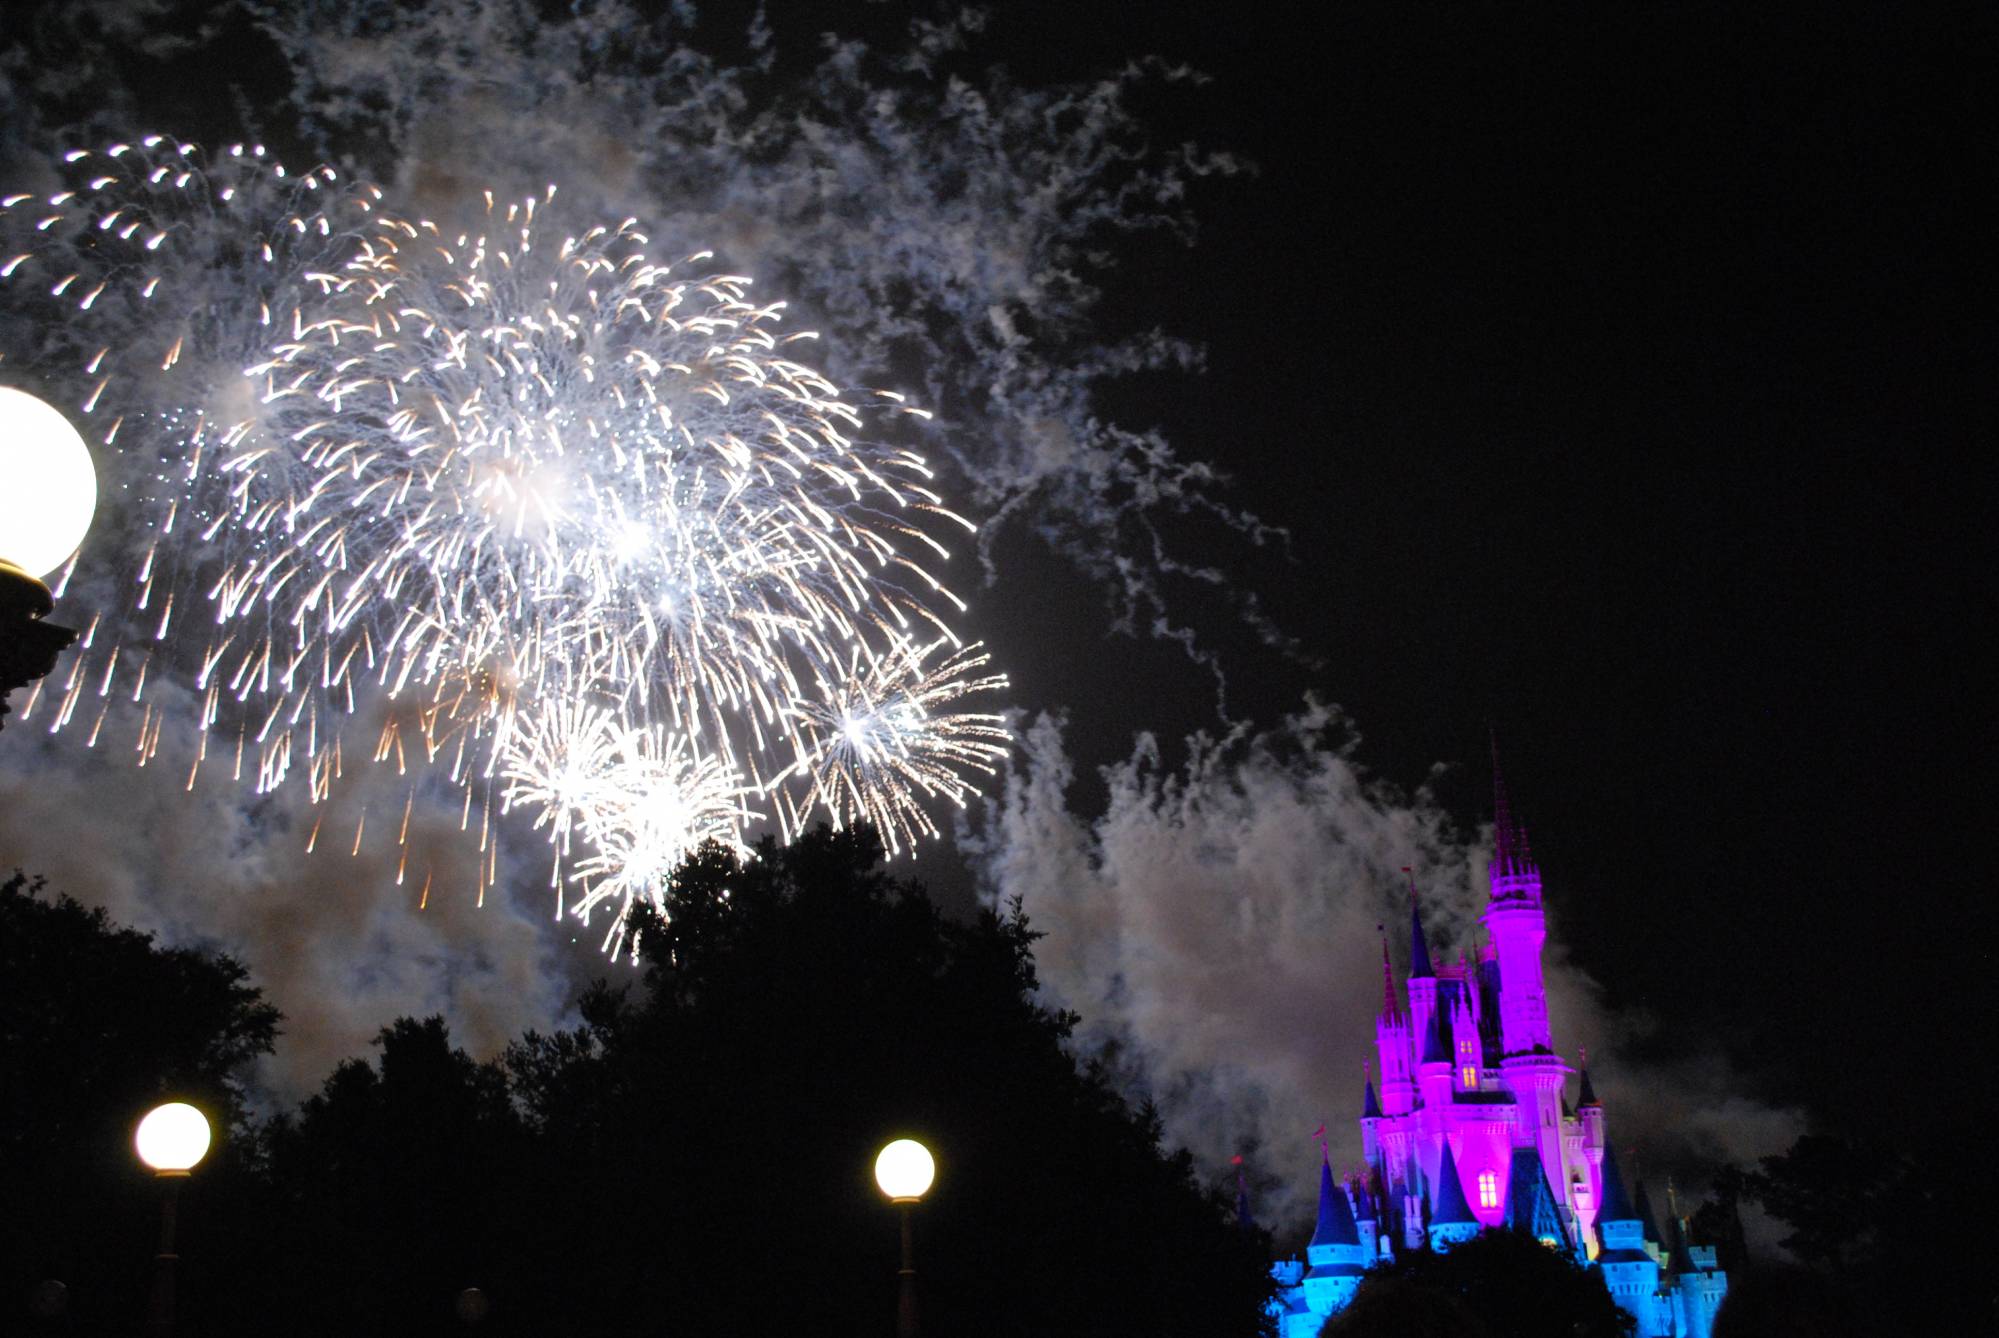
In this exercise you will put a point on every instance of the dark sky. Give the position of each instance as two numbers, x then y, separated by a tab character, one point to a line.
1614	374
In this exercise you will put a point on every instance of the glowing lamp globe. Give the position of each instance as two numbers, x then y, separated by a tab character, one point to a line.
48	486
172	1138
904	1170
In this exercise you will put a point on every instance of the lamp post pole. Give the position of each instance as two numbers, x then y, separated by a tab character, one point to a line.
160	1317
905	1308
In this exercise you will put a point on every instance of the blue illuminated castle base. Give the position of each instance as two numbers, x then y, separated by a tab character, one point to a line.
1472	1130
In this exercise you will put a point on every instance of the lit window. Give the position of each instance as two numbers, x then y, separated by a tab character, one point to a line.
1471	1076
1488	1189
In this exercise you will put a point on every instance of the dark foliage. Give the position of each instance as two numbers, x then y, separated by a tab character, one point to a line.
98	1024
799	1011
1718	1222
1777	1301
696	1157
1498	1284
1886	1233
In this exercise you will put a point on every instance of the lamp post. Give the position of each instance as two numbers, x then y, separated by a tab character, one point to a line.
172	1139
904	1170
48	490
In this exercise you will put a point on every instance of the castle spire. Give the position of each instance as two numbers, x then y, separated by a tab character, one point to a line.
1512	872
1419	949
1586	1097
1616	1206
1335	1225
1679	1260
1388	1009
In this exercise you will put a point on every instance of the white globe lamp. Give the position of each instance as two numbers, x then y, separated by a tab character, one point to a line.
173	1138
904	1170
48	485
48	490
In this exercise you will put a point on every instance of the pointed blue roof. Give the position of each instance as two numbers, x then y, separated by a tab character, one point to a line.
1531	1206
1450	1206
1678	1260
1336	1225
1645	1217
1587	1097
1419	948
1370	1109
1616	1206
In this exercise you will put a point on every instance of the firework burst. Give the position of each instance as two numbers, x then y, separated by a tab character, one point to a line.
578	526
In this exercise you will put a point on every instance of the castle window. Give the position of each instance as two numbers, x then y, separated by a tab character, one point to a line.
1488	1189
1471	1077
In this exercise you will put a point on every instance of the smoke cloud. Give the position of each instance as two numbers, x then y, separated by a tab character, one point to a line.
1215	928
334	939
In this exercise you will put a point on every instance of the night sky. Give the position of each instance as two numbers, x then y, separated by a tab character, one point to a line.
1610	376
1614	375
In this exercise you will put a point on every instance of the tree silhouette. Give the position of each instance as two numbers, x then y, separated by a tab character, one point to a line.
1512	1284
802	1008
695	1156
1885	1229
97	1024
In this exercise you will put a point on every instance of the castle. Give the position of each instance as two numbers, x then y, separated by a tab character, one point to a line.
1473	1129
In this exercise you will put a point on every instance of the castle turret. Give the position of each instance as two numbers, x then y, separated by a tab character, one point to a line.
1422	976
1589	1192
1433	1079
1631	1274
1370	1125
1367	1217
1333	1259
1697	1283
1514	919
1393	1044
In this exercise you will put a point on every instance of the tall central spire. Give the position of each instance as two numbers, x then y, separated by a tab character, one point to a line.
1514	875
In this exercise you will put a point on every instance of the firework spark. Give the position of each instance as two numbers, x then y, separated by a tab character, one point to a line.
571	523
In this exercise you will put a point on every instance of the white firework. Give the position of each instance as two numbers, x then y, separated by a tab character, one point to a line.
879	740
578	520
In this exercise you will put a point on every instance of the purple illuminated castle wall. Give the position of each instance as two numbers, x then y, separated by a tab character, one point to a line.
1472	1129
